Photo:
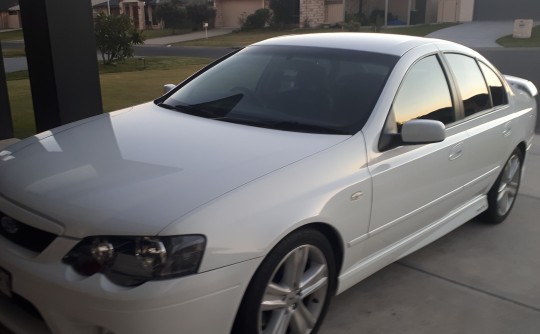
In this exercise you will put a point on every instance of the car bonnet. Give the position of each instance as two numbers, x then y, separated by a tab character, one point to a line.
137	171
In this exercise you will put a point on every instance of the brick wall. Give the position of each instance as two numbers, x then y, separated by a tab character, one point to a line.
312	13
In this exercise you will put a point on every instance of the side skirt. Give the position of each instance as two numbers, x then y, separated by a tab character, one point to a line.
413	242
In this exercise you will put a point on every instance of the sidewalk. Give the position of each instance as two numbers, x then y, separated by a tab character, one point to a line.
187	37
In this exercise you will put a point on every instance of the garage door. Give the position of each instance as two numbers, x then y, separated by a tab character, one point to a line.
232	10
495	10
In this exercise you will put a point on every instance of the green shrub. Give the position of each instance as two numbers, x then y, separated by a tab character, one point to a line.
199	14
353	22
257	20
115	37
172	15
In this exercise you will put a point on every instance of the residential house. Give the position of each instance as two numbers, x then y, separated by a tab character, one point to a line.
327	12
10	14
105	6
140	11
309	12
455	10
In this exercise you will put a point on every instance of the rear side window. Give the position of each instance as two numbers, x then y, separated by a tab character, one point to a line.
496	88
424	94
470	83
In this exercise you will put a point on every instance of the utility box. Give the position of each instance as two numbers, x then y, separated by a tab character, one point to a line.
523	28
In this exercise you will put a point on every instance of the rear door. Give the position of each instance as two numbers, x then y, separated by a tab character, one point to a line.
487	118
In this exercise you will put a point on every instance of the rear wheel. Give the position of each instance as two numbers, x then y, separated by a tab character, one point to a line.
502	196
291	290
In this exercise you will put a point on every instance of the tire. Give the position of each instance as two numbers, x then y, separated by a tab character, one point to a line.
291	290
502	195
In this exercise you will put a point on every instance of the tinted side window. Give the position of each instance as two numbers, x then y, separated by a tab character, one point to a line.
496	88
470	82
424	94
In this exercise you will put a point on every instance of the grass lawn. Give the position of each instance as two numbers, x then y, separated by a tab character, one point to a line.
121	86
418	30
511	42
243	38
11	35
138	80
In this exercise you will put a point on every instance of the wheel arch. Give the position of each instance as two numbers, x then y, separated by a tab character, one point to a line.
335	241
522	146
334	238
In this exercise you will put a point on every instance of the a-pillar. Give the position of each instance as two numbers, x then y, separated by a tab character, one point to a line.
62	63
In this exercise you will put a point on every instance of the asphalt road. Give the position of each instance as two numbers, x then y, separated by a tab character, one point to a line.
184	51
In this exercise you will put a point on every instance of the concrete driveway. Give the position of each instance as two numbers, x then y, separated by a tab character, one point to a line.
479	279
476	34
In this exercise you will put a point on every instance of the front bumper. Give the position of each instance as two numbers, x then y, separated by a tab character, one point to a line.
69	303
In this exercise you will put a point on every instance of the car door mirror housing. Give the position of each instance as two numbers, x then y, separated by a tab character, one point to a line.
168	87
422	131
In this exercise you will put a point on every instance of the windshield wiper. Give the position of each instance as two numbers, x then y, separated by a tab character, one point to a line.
283	125
310	128
186	109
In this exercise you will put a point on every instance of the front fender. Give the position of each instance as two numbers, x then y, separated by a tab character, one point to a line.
249	221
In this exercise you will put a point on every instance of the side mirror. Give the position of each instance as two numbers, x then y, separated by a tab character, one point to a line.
422	131
168	87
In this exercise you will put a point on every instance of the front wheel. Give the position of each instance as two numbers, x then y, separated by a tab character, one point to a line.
291	290
502	195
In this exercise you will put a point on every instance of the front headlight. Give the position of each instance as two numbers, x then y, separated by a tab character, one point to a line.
130	261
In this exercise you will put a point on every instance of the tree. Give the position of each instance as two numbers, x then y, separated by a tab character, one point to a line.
115	37
257	20
198	14
172	14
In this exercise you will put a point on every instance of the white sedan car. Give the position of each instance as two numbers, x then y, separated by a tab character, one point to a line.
246	197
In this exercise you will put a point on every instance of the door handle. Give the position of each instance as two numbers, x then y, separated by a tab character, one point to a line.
456	152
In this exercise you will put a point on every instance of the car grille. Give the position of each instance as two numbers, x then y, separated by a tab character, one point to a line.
24	235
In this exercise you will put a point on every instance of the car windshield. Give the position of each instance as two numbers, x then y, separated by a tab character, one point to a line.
293	88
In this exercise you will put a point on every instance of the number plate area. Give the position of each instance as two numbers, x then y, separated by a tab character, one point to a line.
5	283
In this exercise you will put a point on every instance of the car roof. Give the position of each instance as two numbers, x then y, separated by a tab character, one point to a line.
370	42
